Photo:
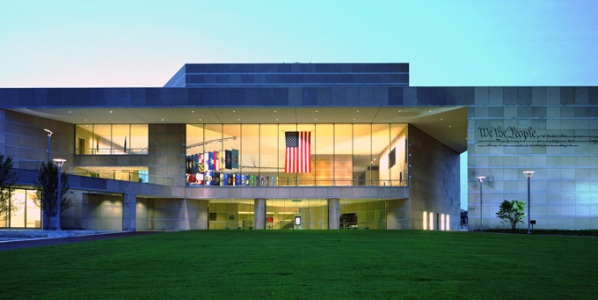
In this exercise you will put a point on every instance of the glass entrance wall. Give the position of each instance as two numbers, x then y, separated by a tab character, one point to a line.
23	213
363	214
231	214
255	155
111	139
296	214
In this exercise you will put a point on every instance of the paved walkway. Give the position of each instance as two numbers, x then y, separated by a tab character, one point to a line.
26	243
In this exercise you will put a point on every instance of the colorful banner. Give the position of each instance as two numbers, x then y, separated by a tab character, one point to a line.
228	159
235	159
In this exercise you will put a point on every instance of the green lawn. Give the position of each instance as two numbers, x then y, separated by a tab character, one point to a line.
358	264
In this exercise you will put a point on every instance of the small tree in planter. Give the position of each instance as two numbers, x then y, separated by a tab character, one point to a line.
47	193
511	212
8	177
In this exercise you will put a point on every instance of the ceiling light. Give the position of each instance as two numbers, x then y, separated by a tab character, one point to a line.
110	111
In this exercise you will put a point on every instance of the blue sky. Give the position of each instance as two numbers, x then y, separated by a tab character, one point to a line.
448	43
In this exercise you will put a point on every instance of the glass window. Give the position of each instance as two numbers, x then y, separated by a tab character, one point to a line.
213	153
343	154
120	136
380	150
308	178
232	143
139	139
116	139
250	155
102	135
33	216
362	154
268	154
324	158
84	143
398	155
283	177
363	214
17	211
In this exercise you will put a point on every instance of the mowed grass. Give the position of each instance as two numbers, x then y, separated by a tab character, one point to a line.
358	264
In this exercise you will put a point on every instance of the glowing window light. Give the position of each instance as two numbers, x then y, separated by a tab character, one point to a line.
425	220
431	221
441	221
448	222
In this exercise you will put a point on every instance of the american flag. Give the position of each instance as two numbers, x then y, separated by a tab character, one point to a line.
298	152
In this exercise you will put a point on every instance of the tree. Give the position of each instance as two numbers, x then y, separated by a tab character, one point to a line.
47	192
511	212
8	178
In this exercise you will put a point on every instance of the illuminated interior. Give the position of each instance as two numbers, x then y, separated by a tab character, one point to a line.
282	213
341	154
111	139
22	211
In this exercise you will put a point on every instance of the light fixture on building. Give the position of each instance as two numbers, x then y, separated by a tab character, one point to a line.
529	175
49	141
59	163
481	180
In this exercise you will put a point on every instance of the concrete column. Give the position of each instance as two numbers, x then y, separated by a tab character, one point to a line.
167	154
201	207
334	213
259	213
183	220
129	212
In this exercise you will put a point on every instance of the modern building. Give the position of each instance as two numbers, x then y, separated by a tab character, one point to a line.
304	146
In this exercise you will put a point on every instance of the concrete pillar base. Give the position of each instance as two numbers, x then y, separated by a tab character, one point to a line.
334	213
259	213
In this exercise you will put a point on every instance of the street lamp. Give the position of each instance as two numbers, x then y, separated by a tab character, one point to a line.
49	137
59	163
481	179
529	175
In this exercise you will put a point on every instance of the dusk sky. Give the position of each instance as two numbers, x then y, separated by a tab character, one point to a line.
72	43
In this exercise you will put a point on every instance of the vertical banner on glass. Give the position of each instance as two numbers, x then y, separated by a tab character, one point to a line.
210	161
228	159
235	159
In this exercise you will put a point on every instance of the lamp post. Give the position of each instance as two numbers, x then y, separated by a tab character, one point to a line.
49	137
481	179
59	163
529	175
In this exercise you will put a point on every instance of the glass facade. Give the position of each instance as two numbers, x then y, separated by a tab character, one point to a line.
23	213
362	214
296	214
111	139
256	155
